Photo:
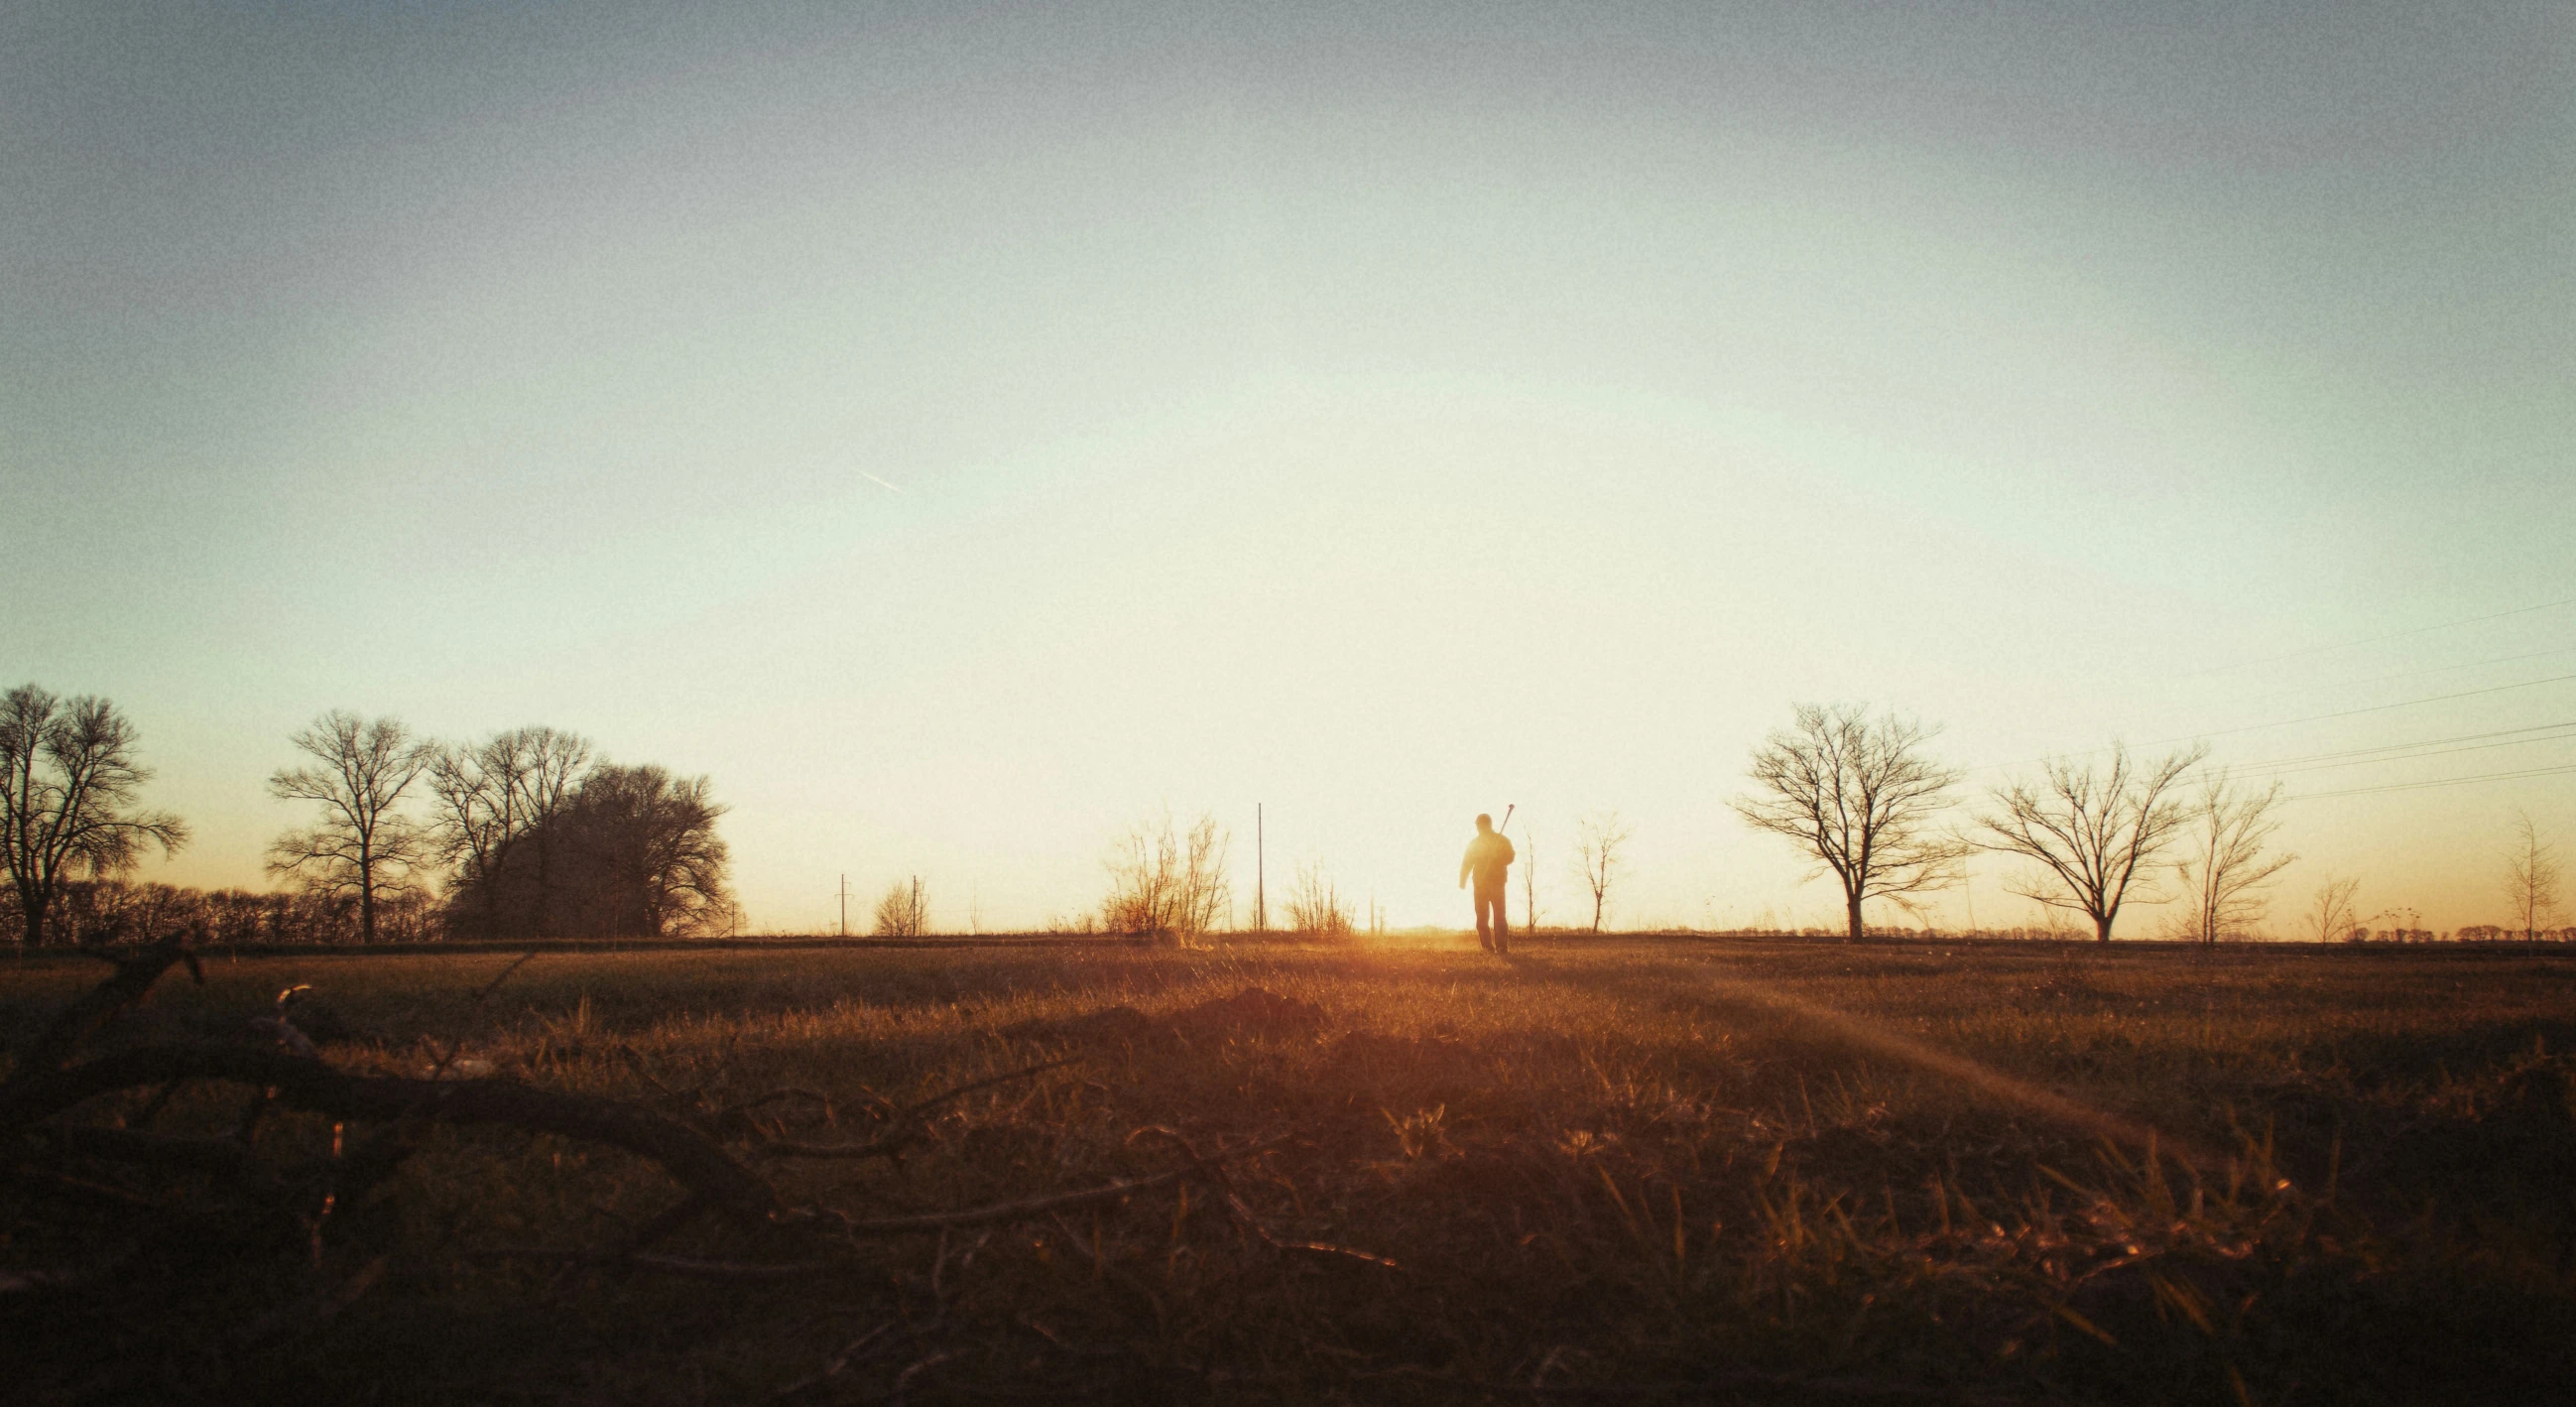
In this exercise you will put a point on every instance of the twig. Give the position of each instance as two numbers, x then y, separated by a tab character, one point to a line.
1719	1387
760	1272
1040	1328
783	1092
1010	1211
833	1365
456	1047
635	1062
159	1101
1109	1270
316	1309
1322	1248
665	1225
218	1155
903	1380
495	984
919	1107
901	1136
82	1189
1040	1206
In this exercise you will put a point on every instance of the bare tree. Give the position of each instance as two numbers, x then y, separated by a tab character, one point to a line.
2531	878
642	853
1163	882
1597	839
903	911
1861	797
2092	830
1316	909
68	783
495	800
2332	916
362	846
557	768
480	817
2224	874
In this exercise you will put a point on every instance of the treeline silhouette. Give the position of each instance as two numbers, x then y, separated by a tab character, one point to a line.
97	912
633	852
526	833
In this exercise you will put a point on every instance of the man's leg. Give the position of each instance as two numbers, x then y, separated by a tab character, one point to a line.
1502	921
1484	920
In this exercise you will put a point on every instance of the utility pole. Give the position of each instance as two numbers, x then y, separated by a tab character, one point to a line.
1529	886
845	906
1260	897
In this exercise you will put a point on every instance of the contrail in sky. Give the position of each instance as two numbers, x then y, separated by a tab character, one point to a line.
880	483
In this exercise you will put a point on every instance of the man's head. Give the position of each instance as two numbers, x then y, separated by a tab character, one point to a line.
1484	823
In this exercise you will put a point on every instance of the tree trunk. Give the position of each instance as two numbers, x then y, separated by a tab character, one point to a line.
537	915
492	898
1851	908
2102	928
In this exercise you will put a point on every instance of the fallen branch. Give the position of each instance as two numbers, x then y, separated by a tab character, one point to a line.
681	1266
53	1046
307	1084
216	1155
1718	1387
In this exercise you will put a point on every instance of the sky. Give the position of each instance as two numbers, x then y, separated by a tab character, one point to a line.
964	432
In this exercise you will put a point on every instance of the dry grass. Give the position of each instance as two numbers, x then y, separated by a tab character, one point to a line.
1634	1169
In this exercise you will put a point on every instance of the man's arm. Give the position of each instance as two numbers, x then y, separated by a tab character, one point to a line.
1466	864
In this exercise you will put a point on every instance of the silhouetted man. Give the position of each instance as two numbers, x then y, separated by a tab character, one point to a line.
1489	858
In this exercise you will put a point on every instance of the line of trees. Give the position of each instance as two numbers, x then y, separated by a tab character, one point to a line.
96	912
532	834
526	833
1863	797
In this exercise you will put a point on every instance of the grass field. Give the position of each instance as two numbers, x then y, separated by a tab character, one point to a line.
1620	1170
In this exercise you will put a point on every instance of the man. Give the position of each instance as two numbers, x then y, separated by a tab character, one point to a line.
1489	858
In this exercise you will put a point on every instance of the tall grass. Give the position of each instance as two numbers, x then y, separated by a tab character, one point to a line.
1770	1171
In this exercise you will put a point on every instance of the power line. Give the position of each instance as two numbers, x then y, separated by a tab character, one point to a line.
2438	782
2376	639
2399	751
2408	756
2288	722
2355	712
2420	673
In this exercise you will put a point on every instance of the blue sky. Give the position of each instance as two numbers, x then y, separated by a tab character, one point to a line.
1382	416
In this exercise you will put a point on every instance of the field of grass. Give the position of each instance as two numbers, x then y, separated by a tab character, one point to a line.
1622	1170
